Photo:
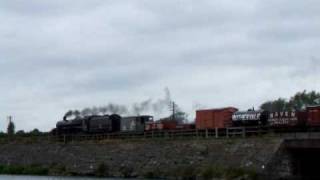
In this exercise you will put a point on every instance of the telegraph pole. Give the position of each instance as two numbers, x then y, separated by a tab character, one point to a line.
173	109
10	128
9	118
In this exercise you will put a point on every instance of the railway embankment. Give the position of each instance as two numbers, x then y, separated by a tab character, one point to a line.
180	158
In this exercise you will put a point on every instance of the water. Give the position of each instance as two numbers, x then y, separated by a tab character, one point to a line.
11	177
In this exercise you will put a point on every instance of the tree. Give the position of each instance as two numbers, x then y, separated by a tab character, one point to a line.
302	99
181	117
177	114
297	102
35	132
20	132
11	128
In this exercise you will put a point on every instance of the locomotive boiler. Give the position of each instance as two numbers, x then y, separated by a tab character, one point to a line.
89	124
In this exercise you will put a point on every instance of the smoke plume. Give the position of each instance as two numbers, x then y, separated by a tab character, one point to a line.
147	106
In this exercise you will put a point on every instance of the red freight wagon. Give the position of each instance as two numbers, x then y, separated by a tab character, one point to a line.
185	126
169	125
149	126
313	115
160	125
287	118
214	118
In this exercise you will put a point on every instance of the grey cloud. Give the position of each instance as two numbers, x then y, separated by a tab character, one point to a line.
60	55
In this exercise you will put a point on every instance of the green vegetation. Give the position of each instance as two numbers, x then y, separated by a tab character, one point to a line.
150	175
232	173
34	132
34	136
126	172
61	170
297	102
212	172
23	170
227	173
187	173
102	170
207	172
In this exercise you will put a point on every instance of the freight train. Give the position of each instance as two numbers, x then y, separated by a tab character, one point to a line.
205	119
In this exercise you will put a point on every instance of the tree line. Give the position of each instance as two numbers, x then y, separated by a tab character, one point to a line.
297	102
11	130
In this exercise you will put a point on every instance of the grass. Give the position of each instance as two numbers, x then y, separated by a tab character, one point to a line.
227	173
212	172
101	171
187	172
23	170
206	173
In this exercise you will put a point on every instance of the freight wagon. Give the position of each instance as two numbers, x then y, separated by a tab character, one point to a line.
135	123
167	125
227	117
215	118
250	118
161	125
287	119
313	116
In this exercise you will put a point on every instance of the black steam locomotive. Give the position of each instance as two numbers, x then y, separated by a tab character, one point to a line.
102	124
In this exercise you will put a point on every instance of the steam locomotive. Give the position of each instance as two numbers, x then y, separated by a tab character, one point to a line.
102	124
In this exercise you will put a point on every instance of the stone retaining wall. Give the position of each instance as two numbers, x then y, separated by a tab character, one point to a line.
144	158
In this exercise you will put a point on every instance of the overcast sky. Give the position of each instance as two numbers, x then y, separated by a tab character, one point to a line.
65	54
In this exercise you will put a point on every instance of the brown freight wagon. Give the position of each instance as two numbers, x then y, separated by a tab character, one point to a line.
313	116
214	118
287	118
151	126
161	125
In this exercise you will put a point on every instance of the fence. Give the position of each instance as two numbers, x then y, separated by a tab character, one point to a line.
168	134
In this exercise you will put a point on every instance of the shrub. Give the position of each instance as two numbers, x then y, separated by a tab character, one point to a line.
232	173
102	170
149	175
35	170
27	170
212	172
227	173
